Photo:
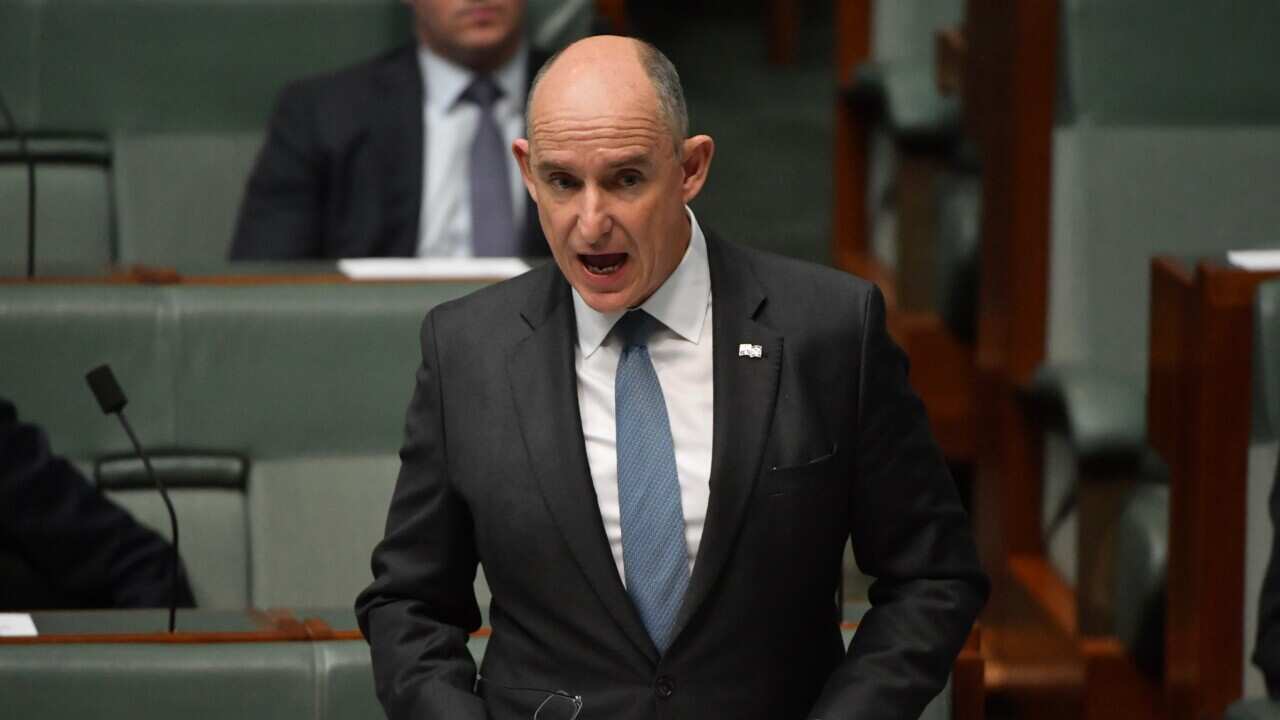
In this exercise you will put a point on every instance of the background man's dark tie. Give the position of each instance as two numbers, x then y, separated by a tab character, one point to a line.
493	228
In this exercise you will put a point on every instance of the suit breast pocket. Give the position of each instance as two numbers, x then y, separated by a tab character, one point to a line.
819	474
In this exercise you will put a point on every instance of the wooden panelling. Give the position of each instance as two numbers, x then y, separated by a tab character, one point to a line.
1198	408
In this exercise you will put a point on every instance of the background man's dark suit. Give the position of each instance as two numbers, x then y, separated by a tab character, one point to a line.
340	172
819	438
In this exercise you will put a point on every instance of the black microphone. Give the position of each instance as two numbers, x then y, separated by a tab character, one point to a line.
112	400
26	157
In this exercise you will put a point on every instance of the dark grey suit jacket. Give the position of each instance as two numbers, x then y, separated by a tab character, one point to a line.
340	172
820	438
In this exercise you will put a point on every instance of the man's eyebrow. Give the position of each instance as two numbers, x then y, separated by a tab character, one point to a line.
641	158
548	166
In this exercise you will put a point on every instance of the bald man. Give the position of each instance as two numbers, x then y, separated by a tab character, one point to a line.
658	447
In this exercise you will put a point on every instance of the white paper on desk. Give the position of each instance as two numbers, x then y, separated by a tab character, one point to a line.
17	625
1255	259
432	268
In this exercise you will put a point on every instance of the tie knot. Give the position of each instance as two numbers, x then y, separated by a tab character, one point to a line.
482	91
635	328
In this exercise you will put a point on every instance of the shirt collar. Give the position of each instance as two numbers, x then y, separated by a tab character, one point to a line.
444	81
680	303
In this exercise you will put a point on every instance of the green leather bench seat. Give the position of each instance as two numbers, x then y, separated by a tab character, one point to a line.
306	383
236	681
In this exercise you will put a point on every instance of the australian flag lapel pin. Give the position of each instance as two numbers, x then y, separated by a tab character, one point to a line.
748	350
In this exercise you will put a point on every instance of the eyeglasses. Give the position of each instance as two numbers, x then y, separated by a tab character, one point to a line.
557	705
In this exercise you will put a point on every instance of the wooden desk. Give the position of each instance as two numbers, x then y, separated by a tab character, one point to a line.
1198	419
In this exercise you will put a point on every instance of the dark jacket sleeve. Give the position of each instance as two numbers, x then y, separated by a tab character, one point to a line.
70	535
911	533
419	610
1267	653
280	215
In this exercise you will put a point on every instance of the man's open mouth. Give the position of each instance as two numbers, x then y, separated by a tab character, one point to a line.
604	264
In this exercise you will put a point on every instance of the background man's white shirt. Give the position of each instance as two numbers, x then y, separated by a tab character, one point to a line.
444	222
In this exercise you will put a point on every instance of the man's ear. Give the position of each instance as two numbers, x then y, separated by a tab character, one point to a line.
696	163
520	148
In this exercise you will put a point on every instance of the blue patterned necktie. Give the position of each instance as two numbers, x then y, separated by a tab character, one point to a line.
654	552
493	226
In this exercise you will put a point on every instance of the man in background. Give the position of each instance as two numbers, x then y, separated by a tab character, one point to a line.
404	155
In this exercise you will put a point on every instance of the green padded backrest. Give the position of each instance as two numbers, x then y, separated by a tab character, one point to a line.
214	538
1142	62
177	194
54	334
73	206
262	370
199	65
19	36
112	681
188	65
295	370
295	505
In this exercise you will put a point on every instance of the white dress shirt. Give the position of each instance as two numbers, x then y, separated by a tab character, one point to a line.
449	126
681	354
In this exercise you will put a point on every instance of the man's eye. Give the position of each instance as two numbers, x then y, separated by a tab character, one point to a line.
561	182
629	179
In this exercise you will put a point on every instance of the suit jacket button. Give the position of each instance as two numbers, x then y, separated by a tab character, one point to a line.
665	687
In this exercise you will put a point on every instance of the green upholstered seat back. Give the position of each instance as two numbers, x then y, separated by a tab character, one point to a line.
73	205
54	334
283	371
177	194
1169	62
309	382
19	40
214	538
297	503
188	65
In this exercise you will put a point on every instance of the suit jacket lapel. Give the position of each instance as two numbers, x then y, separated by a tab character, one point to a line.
745	391
544	386
400	133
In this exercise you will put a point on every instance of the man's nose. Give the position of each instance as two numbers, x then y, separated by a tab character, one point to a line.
594	222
